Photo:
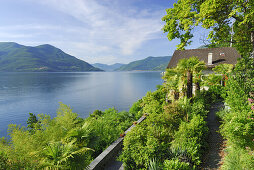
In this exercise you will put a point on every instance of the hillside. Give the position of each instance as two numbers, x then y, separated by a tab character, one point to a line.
19	58
107	67
149	63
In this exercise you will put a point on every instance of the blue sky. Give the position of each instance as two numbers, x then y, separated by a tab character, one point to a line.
104	31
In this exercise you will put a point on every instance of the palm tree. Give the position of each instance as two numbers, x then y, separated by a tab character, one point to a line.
57	155
188	67
171	81
198	68
81	134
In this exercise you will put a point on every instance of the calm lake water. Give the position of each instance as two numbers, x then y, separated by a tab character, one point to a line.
21	93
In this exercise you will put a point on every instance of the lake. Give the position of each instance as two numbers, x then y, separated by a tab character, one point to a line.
84	92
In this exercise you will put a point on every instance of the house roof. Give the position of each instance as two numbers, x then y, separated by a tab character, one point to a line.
222	55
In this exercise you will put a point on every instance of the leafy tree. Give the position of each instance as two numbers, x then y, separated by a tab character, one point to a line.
32	120
212	80
237	120
61	142
223	69
217	15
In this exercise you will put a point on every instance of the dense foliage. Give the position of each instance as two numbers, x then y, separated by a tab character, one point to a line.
174	134
217	15
166	136
64	142
149	63
238	118
179	80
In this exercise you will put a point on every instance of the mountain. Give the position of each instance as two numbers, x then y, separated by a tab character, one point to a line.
19	58
107	67
149	63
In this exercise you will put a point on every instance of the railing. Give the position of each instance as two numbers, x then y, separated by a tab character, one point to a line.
108	154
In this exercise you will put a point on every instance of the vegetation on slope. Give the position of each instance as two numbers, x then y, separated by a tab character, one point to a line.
172	137
230	23
15	58
149	63
238	117
166	136
107	67
174	134
64	142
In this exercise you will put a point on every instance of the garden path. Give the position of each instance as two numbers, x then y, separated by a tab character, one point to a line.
213	157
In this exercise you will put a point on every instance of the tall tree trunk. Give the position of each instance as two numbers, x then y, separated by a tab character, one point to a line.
189	84
252	42
176	95
223	80
197	87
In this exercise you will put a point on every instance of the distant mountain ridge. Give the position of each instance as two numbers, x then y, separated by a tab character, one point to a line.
19	58
107	67
147	64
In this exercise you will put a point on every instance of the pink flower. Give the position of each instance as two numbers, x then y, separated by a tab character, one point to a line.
250	100
252	107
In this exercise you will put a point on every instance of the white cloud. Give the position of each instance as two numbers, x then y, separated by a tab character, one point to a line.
92	30
108	26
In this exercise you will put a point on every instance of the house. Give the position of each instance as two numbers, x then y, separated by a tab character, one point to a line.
211	56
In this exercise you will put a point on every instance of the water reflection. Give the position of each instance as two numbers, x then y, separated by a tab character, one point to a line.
21	93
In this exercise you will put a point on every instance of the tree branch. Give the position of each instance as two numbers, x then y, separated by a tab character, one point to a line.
237	18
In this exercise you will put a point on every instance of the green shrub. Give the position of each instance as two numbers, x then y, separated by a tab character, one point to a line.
136	109
150	139
175	164
3	157
154	165
159	136
191	136
237	121
238	129
238	158
106	128
64	142
198	108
